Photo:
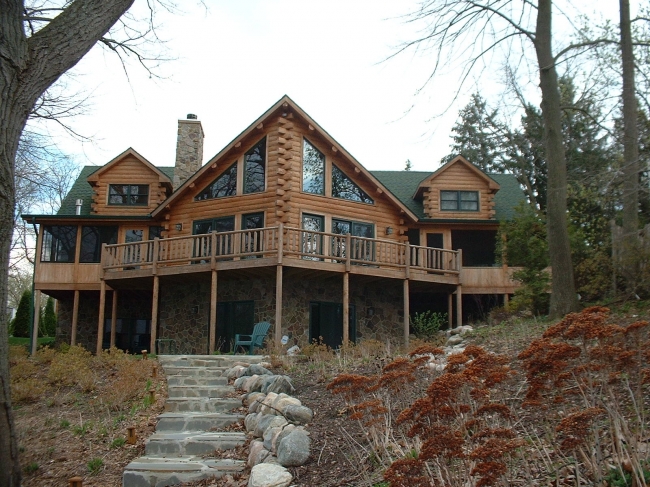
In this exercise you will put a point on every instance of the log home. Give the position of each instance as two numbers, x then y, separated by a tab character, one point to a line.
283	225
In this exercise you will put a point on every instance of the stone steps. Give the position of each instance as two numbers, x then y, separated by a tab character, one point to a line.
177	422
197	408
161	472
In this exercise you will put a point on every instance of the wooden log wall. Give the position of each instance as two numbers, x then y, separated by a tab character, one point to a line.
127	171
459	178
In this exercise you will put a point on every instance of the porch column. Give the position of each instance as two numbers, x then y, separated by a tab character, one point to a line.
346	308
450	310
506	300
75	319
100	320
213	312
114	318
154	314
37	316
459	306
278	307
407	314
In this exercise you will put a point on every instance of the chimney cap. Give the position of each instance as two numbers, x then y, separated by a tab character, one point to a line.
191	116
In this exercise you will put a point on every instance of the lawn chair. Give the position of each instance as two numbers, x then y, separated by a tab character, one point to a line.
255	340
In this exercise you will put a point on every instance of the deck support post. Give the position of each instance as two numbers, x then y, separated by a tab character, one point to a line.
450	310
506	300
407	314
459	306
346	309
154	314
213	312
278	308
100	319
75	318
37	316
114	318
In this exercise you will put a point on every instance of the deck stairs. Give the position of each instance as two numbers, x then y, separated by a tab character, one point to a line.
197	411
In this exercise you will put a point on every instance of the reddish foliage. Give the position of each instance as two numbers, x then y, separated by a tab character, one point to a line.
406	473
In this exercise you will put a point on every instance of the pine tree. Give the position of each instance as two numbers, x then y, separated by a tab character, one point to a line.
21	321
48	324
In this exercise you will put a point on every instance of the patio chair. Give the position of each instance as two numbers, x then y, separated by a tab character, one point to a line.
254	340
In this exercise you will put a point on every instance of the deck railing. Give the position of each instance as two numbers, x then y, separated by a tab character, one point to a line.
278	242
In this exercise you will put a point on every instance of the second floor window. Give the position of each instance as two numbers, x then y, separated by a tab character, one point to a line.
313	169
224	185
254	167
128	194
459	200
59	243
92	239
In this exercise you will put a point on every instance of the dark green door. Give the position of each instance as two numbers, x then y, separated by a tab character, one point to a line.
326	323
233	317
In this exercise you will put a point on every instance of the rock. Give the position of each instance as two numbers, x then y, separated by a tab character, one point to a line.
251	420
454	340
465	329
275	441
239	382
295	350
257	369
254	384
266	381
235	372
262	424
298	414
269	475
281	384
294	449
273	429
257	453
266	406
251	398
282	401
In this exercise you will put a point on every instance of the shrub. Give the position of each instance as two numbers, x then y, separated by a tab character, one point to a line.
48	323
73	368
94	465
21	322
428	323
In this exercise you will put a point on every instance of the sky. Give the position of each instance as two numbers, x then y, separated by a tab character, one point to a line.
229	61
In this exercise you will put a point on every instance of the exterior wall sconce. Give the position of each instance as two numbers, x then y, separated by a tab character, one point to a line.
179	227
389	230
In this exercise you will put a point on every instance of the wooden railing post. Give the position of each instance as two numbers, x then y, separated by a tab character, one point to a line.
154	257
100	319
407	262
213	250
348	251
280	242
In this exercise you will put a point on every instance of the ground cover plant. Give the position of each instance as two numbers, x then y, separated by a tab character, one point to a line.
72	411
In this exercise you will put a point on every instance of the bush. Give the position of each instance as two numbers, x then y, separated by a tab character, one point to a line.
22	320
48	322
428	323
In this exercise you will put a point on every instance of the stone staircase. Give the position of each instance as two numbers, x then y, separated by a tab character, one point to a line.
196	412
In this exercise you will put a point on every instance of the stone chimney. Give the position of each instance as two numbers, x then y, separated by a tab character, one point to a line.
189	149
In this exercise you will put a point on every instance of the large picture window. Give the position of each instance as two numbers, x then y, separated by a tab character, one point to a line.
361	249
254	168
313	169
92	239
128	194
343	187
459	200
224	185
59	243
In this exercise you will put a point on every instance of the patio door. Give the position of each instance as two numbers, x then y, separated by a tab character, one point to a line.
233	317
326	323
361	249
224	242
133	254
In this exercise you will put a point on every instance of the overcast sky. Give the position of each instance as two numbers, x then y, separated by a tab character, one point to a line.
235	59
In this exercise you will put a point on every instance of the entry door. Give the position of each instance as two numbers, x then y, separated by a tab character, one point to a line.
233	317
133	254
326	323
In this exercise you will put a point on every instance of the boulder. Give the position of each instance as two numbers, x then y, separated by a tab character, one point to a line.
257	369
298	414
262	424
294	449
282	401
282	383
251	420
240	381
269	475
273	429
281	434
266	406
454	340
251	398
257	453
253	384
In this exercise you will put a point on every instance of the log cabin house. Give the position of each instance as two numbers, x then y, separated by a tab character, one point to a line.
282	225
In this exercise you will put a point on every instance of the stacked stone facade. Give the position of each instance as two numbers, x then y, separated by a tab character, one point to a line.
189	150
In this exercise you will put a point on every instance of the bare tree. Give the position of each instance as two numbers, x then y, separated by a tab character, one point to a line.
39	42
474	30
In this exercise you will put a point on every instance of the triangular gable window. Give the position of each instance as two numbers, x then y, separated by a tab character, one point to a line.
343	187
224	185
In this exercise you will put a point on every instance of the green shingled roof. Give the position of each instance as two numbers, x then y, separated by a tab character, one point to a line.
403	185
82	190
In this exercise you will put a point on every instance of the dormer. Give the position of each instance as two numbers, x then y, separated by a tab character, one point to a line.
128	185
458	190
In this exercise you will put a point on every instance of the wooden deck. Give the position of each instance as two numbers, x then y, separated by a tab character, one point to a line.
273	246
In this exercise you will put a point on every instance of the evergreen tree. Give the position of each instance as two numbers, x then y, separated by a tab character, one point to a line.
48	323
22	320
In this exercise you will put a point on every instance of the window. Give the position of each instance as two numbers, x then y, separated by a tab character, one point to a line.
224	185
313	169
459	200
252	241
312	243
155	232
59	243
92	239
343	187
128	194
254	167
219	225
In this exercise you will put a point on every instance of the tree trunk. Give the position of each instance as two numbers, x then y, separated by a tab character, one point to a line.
630	153
28	66
563	295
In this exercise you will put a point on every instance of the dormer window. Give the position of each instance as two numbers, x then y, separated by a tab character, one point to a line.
128	194
459	200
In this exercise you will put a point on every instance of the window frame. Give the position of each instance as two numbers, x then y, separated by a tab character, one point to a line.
246	169
53	250
348	178
228	171
459	200
322	192
129	195
101	239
